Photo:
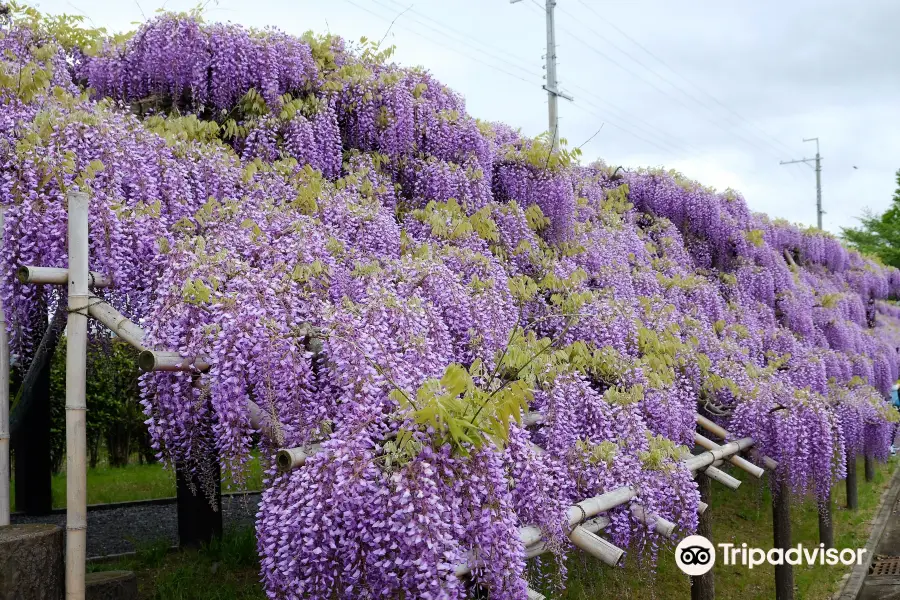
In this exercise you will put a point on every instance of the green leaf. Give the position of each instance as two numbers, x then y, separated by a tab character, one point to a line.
456	380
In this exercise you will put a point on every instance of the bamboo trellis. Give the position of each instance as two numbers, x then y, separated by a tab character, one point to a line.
584	519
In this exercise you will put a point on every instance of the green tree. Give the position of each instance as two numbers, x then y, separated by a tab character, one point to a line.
114	415
879	235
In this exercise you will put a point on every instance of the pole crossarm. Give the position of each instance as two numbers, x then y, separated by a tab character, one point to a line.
559	93
818	170
799	160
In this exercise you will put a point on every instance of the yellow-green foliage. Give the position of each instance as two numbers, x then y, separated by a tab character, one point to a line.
662	454
616	200
448	221
537	153
604	452
462	414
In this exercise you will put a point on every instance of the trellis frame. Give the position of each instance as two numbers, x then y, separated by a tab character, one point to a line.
584	518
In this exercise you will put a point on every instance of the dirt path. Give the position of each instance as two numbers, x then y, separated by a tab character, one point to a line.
123	529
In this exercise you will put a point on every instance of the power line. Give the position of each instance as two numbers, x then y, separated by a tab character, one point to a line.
690	82
627	131
650	83
451	48
517	61
468	38
456	36
648	134
640	123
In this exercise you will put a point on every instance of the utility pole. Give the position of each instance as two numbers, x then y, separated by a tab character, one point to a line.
818	168
551	86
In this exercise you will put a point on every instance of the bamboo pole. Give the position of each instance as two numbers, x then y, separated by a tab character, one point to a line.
723	478
151	360
76	364
707	458
117	322
662	526
719	431
58	276
826	524
533	418
870	467
4	405
292	458
596	546
737	461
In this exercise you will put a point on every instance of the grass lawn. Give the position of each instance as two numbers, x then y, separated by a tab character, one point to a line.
229	570
106	484
744	515
226	570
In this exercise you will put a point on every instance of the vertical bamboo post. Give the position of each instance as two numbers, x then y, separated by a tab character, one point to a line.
704	586
4	404
76	367
852	498
826	525
870	468
781	521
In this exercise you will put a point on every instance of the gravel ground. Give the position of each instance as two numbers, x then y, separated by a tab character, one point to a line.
118	530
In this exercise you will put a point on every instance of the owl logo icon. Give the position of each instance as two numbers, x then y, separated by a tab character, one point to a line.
695	555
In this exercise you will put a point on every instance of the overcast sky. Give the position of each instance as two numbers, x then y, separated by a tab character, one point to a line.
721	91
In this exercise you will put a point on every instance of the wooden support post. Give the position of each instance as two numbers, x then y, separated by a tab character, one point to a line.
199	519
781	522
826	525
704	586
870	468
852	497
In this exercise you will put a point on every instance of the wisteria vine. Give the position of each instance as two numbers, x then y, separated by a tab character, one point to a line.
400	283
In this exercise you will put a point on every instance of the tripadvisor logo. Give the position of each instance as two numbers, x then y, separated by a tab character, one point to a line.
696	555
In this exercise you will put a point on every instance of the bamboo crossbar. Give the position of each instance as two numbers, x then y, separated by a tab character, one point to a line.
153	360
722	477
292	458
662	526
736	460
721	432
596	546
697	462
57	276
133	334
117	322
